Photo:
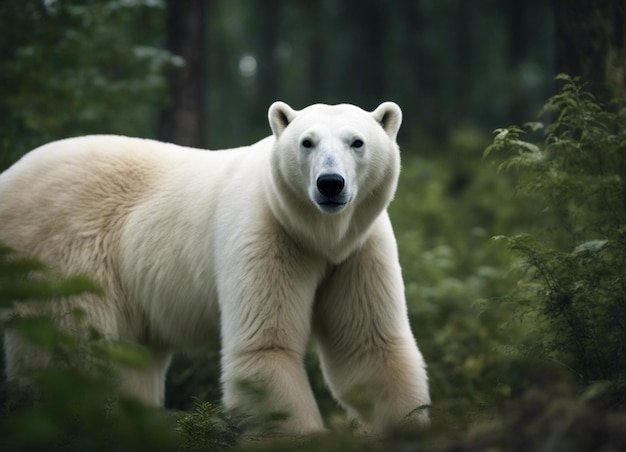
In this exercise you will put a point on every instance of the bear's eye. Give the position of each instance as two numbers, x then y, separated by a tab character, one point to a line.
357	144
306	143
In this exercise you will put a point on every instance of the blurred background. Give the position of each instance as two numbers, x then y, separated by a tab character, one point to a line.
203	73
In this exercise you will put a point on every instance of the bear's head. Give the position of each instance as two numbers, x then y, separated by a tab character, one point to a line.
335	157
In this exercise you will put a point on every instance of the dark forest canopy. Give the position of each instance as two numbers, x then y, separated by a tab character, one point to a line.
97	66
447	63
73	67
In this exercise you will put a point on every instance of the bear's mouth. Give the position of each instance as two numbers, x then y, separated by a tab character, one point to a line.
331	206
332	203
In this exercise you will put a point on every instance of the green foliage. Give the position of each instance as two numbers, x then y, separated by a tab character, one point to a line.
72	404
443	216
205	429
75	412
574	257
74	67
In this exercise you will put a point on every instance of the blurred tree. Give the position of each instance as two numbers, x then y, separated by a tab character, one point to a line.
464	58
182	122
370	29
269	13
574	259
74	67
316	39
591	42
516	51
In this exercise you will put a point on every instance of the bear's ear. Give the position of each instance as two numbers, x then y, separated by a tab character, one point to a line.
389	116
280	115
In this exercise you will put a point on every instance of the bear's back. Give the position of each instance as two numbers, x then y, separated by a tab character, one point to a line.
62	198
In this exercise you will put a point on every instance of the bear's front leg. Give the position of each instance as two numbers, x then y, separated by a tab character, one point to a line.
266	296
368	354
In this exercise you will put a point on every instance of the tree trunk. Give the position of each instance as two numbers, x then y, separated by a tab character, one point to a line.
420	73
182	121
591	42
517	41
269	14
317	51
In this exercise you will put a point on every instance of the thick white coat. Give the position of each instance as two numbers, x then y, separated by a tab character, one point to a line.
188	242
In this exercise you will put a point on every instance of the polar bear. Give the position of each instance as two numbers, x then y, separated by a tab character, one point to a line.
269	245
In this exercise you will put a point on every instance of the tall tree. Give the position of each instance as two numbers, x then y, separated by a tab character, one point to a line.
419	76
182	121
75	68
464	55
264	43
317	40
591	42
517	41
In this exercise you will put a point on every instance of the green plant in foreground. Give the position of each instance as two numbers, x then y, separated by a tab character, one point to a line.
574	261
204	429
73	406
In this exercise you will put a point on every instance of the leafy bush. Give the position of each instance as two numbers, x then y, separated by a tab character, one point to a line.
205	429
446	209
574	258
74	67
71	405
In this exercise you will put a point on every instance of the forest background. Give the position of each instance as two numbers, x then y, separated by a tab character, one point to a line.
203	73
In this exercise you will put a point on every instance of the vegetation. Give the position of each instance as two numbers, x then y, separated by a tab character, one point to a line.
73	407
86	77
575	256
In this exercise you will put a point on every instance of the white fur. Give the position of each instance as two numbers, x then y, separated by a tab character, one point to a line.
187	242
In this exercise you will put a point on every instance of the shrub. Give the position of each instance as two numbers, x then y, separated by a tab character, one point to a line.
573	261
70	406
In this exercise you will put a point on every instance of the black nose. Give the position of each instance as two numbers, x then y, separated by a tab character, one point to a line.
330	185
